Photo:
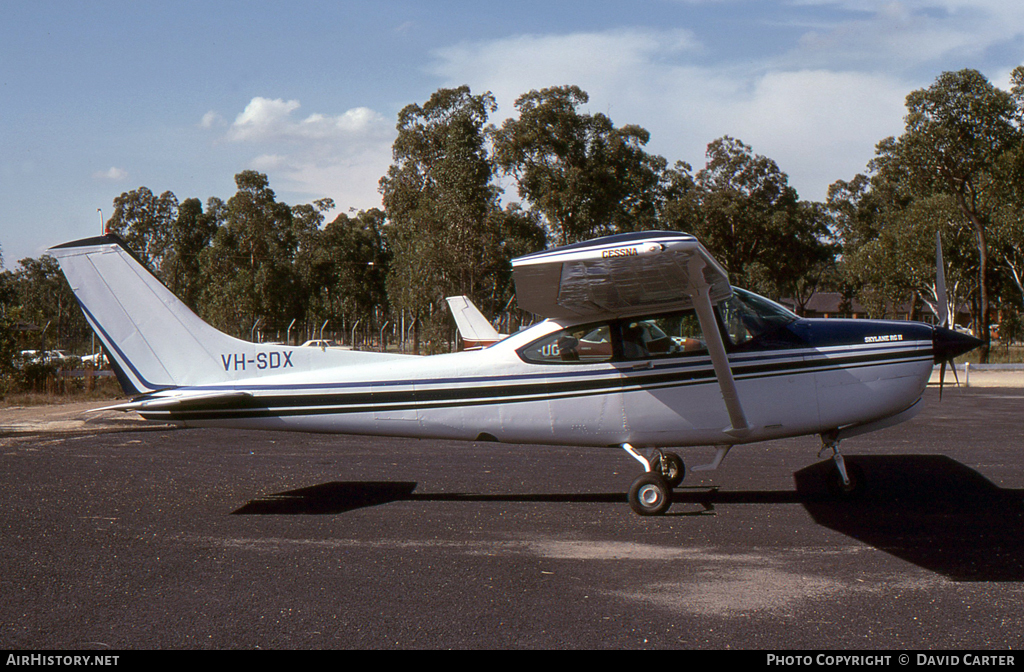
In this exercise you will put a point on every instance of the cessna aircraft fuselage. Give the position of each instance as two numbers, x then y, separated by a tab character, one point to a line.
806	377
645	352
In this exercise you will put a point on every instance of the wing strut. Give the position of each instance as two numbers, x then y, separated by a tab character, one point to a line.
700	292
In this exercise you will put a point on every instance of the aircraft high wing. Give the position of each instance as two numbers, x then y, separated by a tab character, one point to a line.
646	346
615	275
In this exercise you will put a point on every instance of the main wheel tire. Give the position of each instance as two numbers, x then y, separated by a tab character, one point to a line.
672	469
650	495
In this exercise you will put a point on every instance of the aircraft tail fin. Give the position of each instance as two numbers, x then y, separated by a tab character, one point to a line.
154	340
474	328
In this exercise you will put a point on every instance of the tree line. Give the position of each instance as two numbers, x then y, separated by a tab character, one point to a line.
256	267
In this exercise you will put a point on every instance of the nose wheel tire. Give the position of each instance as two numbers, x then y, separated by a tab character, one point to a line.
852	490
650	495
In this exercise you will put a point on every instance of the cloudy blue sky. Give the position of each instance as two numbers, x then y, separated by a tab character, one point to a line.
101	97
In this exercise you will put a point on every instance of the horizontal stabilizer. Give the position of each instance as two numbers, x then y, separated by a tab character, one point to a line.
167	403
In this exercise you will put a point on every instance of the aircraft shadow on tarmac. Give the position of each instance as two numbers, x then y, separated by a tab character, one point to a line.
339	497
929	510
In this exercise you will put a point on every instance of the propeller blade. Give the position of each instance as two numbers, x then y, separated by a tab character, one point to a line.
940	283
942	377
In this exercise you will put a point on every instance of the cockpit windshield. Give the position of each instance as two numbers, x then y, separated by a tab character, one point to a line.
747	316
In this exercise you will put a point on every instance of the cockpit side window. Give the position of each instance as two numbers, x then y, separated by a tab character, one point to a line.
666	335
588	344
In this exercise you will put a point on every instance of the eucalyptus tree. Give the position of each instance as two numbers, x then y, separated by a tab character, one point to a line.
956	134
9	312
42	296
440	201
1007	231
744	209
250	262
580	173
346	272
516	232
899	263
190	233
1007	241
145	221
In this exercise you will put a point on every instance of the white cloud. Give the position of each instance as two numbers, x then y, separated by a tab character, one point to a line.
350	179
908	34
265	119
111	174
895	37
818	125
512	66
340	156
212	120
268	162
262	119
817	104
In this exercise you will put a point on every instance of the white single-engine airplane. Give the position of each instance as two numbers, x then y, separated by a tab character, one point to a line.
646	346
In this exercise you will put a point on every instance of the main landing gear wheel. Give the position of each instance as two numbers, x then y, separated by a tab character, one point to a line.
671	468
650	495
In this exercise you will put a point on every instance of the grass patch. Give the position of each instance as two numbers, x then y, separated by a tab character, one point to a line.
103	388
997	354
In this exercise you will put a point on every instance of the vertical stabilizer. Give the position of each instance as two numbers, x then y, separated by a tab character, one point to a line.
155	341
474	328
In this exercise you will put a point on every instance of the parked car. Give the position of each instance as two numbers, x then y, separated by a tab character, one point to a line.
26	357
320	343
99	360
56	356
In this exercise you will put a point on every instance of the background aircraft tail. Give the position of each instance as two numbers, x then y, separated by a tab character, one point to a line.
155	341
474	328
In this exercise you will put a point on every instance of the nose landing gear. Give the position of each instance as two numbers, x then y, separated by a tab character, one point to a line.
847	481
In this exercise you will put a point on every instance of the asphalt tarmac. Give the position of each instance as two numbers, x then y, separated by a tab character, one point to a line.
115	535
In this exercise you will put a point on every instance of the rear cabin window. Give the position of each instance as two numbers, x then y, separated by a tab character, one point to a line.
576	345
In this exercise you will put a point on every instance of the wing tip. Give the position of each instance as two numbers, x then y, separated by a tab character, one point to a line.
106	239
